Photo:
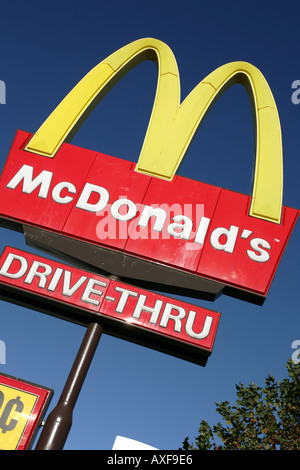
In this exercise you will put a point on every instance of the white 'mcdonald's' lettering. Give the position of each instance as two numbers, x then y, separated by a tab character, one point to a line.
258	244
180	226
43	180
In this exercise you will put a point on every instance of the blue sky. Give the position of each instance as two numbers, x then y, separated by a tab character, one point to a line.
46	48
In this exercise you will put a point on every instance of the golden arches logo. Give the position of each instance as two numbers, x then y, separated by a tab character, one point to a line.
173	124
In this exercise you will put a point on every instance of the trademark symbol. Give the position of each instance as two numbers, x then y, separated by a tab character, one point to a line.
276	240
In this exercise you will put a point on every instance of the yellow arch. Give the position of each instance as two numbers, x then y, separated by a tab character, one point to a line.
75	107
172	125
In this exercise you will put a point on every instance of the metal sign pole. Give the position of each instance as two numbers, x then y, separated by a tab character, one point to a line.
59	421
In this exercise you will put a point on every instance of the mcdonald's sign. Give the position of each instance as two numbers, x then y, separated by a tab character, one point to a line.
143	222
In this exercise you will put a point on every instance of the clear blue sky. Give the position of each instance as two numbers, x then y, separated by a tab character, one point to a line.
46	48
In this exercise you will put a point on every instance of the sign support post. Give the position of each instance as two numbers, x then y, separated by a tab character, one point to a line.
59	421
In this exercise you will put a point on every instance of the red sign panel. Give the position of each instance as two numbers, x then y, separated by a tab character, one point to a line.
22	407
184	226
153	320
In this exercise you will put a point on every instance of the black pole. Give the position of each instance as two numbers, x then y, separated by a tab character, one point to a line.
59	421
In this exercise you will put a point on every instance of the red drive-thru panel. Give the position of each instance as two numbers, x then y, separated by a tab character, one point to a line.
115	217
153	320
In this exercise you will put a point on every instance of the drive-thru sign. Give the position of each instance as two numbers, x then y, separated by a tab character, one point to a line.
154	320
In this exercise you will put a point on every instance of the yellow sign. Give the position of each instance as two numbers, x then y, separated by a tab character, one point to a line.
15	412
22	405
173	124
